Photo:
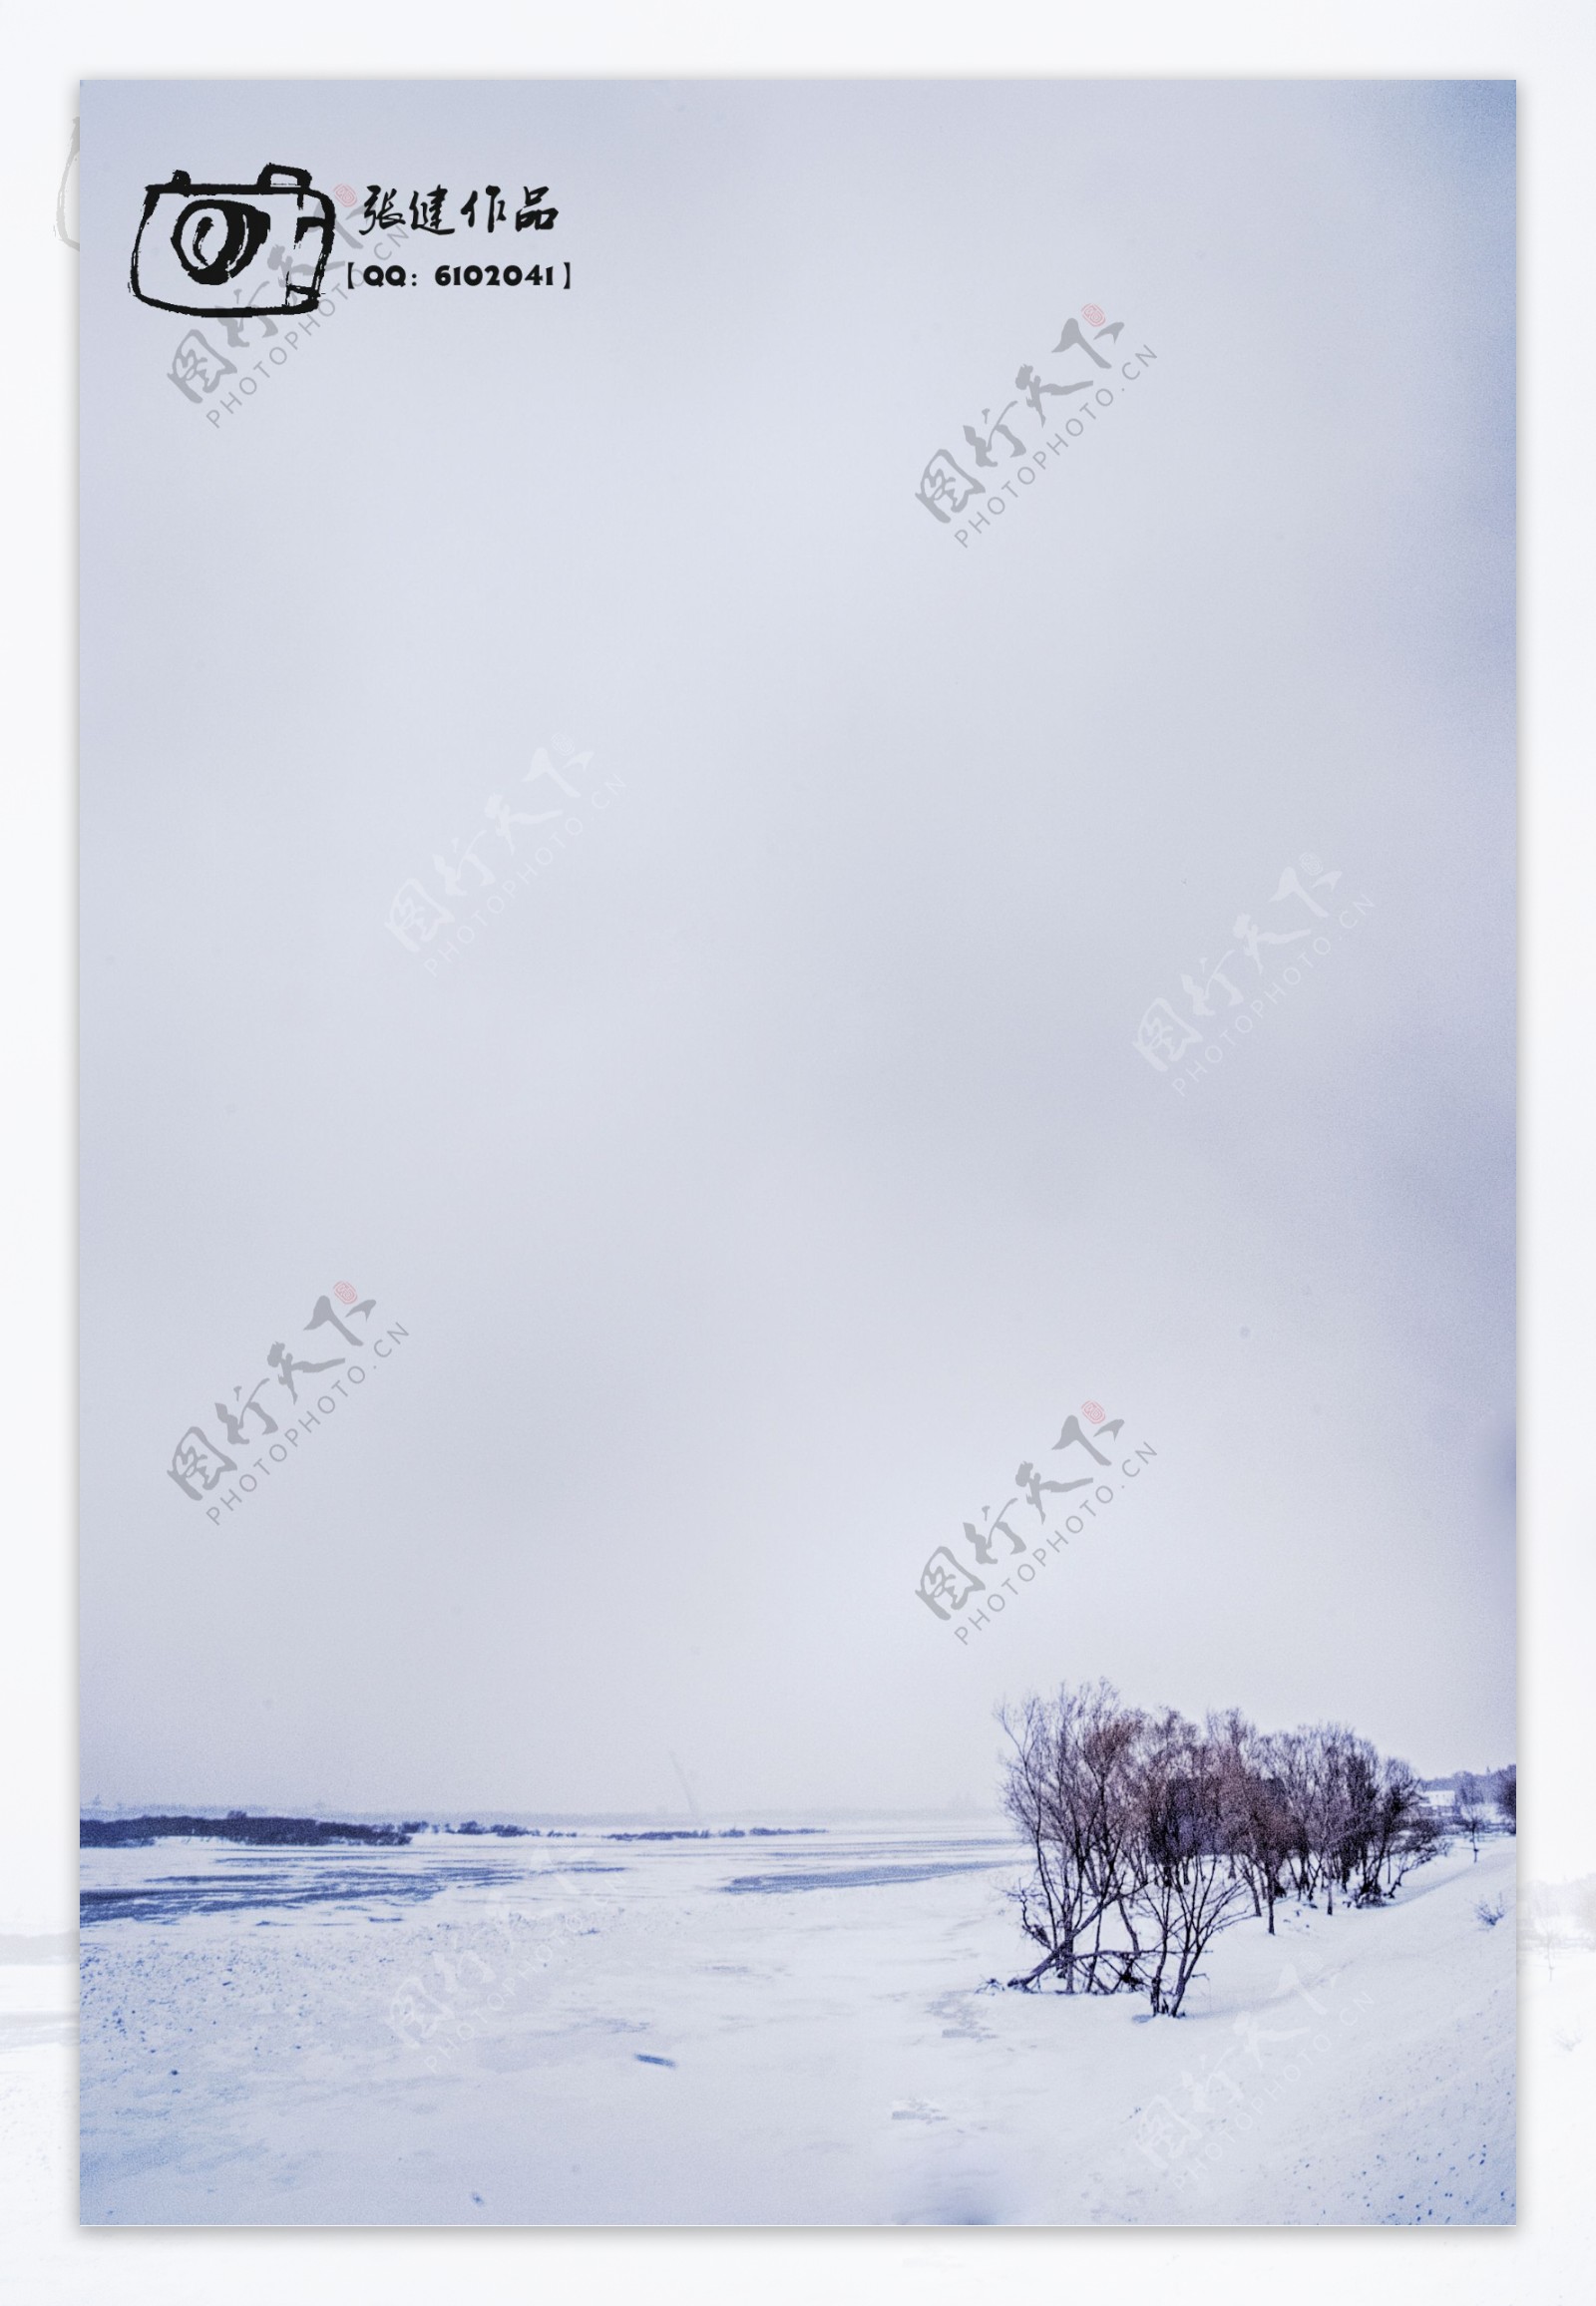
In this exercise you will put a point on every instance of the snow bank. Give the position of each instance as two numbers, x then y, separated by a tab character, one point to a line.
655	2035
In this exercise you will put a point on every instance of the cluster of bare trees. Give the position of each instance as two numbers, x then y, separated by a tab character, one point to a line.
1482	1805
1149	1834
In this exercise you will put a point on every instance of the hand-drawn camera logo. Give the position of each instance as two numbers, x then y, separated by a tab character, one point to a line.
260	247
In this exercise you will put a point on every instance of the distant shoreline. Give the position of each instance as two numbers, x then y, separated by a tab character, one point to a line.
313	1833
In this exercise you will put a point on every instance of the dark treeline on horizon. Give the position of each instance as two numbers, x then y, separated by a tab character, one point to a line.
310	1832
134	1833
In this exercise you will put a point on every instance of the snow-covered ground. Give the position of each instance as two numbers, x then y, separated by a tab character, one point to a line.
764	2030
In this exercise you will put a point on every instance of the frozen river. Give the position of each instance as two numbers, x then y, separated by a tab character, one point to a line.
770	2030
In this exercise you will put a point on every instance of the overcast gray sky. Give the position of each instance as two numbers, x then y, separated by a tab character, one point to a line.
778	1172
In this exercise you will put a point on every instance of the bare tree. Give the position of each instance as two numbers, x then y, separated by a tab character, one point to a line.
1136	1836
1472	1812
1538	1931
1296	1780
1258	1807
1148	1837
1068	1789
1582	1904
1189	1883
1404	1833
1504	1788
1053	1904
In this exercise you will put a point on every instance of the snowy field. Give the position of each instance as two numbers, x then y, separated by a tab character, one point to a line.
764	2030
